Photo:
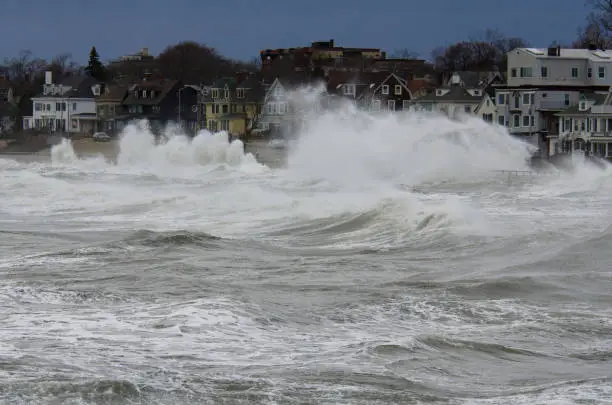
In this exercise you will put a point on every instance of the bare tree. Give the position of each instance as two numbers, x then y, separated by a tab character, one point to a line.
487	51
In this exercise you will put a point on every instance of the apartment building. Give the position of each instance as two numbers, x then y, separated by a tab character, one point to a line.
541	82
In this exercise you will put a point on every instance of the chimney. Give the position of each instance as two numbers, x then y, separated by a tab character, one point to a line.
48	77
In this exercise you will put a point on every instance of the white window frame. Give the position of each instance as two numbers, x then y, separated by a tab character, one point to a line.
526	96
575	70
503	98
239	93
601	72
405	105
398	89
391	105
385	89
523	121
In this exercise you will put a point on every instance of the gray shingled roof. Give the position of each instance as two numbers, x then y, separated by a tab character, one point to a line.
81	87
253	86
598	98
456	94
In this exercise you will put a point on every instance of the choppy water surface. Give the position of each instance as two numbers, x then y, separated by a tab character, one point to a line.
386	263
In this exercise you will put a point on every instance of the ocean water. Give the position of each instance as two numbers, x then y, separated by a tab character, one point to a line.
387	262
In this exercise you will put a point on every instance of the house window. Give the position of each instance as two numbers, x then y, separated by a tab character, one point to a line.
544	71
144	94
582	105
398	90
574	72
467	109
501	99
349	89
602	72
281	108
376	105
212	126
567	100
526	72
532	121
590	72
517	121
215	108
240	93
525	120
225	109
391	105
385	89
226	95
74	106
513	72
526	99
215	94
405	105
224	125
501	120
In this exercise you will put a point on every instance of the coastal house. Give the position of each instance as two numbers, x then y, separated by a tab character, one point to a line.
542	82
389	94
586	127
487	109
8	106
280	112
68	106
233	104
454	98
160	102
108	97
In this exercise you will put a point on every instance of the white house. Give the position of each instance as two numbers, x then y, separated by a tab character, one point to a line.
487	109
68	106
545	81
586	127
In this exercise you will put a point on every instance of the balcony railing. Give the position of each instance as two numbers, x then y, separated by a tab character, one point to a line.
585	134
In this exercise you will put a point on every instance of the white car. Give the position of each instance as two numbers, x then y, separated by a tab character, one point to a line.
101	137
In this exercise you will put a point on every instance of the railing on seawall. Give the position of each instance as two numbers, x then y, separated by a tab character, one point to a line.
531	174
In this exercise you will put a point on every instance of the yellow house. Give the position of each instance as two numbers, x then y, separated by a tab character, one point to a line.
233	105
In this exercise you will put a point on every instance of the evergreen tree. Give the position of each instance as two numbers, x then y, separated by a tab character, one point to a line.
94	67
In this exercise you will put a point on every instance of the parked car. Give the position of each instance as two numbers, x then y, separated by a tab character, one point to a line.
101	137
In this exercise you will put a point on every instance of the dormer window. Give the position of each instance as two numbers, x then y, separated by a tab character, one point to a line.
583	106
477	92
385	89
240	93
226	93
144	94
438	92
215	93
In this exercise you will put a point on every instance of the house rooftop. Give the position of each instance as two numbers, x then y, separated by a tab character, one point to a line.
596	55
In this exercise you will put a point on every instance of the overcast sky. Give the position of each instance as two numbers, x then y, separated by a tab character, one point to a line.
241	28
